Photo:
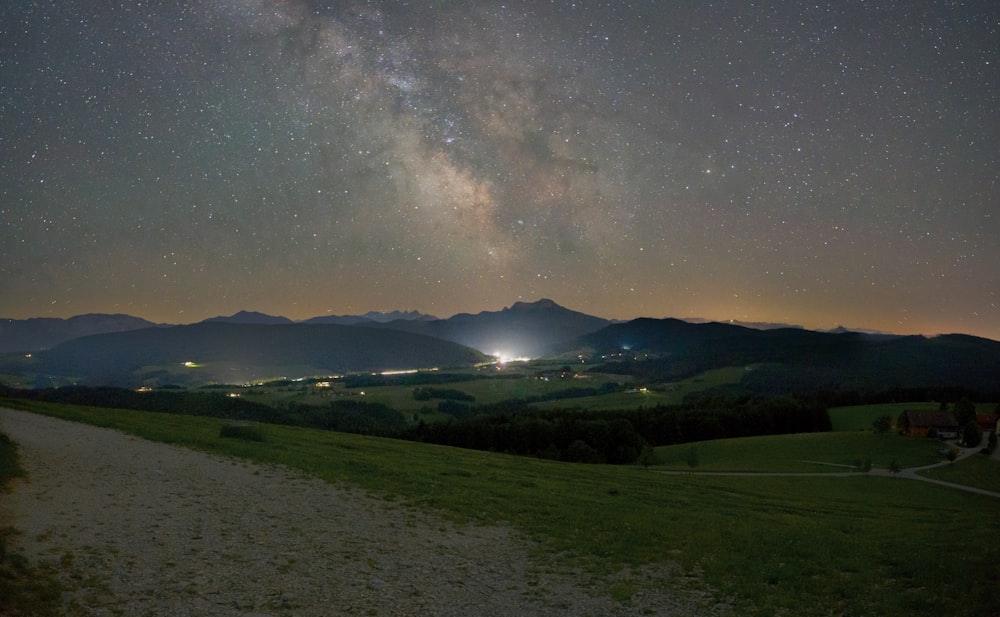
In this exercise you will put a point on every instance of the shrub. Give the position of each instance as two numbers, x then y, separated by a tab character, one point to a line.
972	435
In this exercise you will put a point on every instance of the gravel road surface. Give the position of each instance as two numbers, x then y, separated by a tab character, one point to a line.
143	528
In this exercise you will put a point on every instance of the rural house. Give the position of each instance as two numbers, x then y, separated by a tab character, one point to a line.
987	422
919	423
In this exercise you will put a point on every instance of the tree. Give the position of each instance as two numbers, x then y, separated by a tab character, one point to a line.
965	411
952	454
881	425
902	422
692	458
972	435
648	456
581	452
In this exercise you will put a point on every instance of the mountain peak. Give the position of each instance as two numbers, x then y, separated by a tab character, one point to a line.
250	317
544	303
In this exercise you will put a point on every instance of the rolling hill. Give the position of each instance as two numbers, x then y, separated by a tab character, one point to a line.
791	360
37	333
231	352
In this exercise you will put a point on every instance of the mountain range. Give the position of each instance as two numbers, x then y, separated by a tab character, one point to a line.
122	350
37	333
221	352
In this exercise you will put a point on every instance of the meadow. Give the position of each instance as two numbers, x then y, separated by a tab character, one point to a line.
664	394
860	417
803	453
535	382
767	545
978	471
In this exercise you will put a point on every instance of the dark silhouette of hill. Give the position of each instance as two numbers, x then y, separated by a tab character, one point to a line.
250	317
793	360
114	358
37	333
523	329
371	317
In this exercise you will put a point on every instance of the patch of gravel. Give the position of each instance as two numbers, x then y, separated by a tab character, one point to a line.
142	528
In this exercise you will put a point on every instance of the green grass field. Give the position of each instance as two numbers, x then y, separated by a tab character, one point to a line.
489	391
651	398
978	471
811	452
485	390
772	546
860	417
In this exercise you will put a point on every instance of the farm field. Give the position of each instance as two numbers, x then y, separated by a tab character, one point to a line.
650	398
488	390
802	546
485	390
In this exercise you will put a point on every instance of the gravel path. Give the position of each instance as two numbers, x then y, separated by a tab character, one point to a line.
143	528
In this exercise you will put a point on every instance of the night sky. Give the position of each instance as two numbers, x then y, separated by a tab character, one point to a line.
816	163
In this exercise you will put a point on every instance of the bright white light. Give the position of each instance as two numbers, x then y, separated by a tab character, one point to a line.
505	358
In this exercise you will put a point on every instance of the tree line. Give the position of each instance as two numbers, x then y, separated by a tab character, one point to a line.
615	437
620	436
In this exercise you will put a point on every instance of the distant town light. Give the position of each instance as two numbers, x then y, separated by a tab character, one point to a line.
506	358
401	372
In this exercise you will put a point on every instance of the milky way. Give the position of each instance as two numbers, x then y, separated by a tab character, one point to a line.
821	164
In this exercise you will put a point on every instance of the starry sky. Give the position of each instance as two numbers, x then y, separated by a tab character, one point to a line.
816	163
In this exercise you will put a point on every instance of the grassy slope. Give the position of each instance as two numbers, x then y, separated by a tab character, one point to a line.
978	471
812	546
812	452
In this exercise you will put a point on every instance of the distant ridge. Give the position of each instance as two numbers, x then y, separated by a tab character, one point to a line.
371	316
522	329
768	325
789	360
250	317
38	333
756	325
234	352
